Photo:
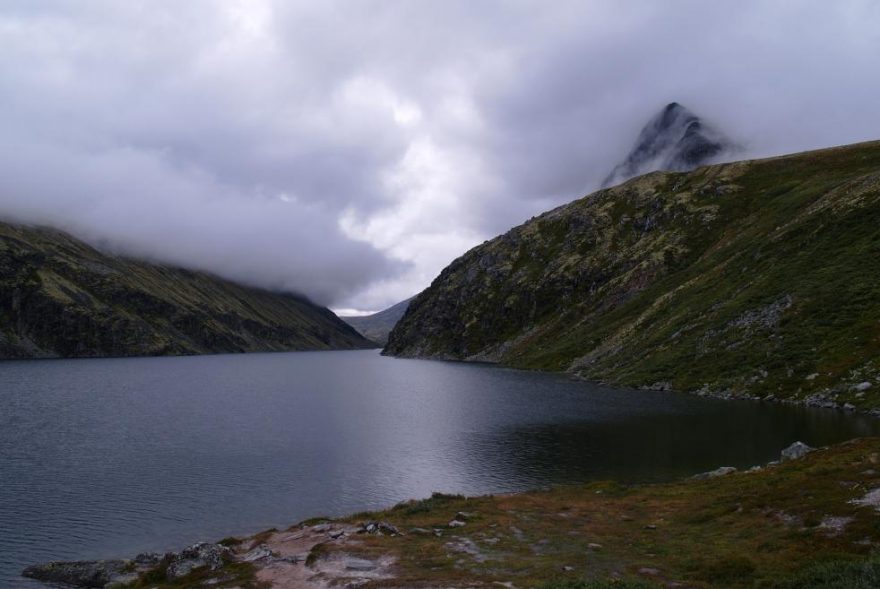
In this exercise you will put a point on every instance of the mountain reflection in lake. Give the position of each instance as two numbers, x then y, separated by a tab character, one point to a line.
104	458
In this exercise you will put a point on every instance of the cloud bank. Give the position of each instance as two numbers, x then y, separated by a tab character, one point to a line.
350	150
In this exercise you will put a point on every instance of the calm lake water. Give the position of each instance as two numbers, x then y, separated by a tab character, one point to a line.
108	458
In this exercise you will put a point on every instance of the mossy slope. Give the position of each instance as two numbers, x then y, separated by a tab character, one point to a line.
752	278
61	297
807	523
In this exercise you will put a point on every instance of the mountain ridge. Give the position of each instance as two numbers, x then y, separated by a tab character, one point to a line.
60	297
733	279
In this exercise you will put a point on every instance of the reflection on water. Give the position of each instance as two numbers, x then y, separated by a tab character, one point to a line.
103	458
649	448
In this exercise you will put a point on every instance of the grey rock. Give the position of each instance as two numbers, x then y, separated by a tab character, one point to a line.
84	573
261	552
718	472
863	386
795	451
456	524
148	558
203	554
360	564
373	527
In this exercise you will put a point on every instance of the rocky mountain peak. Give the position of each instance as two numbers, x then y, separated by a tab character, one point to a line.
675	139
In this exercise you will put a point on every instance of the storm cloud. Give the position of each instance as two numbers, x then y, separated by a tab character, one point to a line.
350	150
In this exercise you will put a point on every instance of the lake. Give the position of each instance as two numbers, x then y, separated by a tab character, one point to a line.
110	457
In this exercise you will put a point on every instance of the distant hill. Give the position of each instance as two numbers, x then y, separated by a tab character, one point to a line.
377	326
755	278
674	140
60	297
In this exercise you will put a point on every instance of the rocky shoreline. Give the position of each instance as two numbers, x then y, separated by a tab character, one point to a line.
453	539
285	558
826	399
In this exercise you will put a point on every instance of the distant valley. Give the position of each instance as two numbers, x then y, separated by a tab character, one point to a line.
377	326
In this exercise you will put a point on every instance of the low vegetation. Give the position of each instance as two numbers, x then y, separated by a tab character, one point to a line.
746	279
806	523
783	526
60	297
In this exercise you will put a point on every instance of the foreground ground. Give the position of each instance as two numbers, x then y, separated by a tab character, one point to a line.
806	522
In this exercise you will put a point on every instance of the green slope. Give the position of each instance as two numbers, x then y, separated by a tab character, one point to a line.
61	297
754	278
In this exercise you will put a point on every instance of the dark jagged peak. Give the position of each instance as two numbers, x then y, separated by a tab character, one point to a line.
675	139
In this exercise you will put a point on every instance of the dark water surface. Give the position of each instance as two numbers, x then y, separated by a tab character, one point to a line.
107	458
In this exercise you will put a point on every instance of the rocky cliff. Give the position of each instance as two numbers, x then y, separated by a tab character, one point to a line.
59	297
675	140
754	278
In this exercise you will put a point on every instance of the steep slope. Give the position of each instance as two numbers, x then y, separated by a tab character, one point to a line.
674	140
61	297
752	278
377	326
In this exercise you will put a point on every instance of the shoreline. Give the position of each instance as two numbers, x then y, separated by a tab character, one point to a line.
667	533
821	400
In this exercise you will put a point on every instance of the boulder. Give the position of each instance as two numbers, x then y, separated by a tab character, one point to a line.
373	527
718	472
148	558
203	554
795	451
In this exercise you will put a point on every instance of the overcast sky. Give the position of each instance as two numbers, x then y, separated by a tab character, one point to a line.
351	150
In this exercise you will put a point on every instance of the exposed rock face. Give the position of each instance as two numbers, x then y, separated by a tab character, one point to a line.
675	140
113	573
740	279
203	554
377	326
61	297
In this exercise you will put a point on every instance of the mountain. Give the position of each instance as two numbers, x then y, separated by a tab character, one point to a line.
753	278
377	326
676	140
61	297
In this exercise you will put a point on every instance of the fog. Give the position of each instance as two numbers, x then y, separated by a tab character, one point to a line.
350	150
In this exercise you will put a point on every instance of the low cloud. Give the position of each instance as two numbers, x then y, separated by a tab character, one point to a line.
349	151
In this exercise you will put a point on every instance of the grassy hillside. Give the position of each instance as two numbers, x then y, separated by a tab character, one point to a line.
754	278
61	297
